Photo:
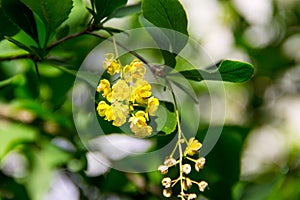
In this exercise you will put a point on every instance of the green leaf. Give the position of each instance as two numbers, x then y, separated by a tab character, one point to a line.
22	16
10	29
125	11
52	13
227	70
222	167
105	8
89	77
235	71
20	45
63	32
14	133
168	14
166	118
10	80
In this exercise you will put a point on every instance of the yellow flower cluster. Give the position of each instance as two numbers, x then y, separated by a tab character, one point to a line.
130	97
193	147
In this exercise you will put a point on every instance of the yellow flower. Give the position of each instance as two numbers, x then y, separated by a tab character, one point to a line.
192	148
109	114
120	91
153	104
138	69
135	71
110	64
139	126
102	107
127	73
104	86
141	92
120	112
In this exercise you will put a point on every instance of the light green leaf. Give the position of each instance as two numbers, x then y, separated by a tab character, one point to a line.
10	80
44	162
12	134
227	70
22	16
20	44
166	119
52	13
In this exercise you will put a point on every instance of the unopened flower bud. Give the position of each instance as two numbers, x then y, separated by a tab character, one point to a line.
199	163
186	168
167	192
202	185
192	196
166	182
163	169
170	162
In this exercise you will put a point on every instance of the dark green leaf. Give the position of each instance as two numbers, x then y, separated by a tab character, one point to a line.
10	29
127	10
235	71
62	32
22	16
222	167
168	14
53	13
105	8
227	70
12	189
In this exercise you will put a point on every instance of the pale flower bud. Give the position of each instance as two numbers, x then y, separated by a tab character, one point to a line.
202	185
192	196
170	162
167	192
186	168
166	182
199	163
163	169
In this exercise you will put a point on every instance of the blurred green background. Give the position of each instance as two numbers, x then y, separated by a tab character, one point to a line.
257	156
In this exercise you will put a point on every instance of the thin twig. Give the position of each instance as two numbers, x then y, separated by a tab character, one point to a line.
56	43
16	57
154	68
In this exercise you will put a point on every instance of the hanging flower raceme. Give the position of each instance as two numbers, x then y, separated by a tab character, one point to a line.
192	148
129	99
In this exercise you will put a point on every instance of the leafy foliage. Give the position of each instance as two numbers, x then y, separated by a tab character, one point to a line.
227	70
36	115
52	13
22	16
104	8
169	15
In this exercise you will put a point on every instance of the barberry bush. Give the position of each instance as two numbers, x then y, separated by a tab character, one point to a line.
113	110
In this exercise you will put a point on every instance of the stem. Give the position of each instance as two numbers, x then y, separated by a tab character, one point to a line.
153	68
56	43
16	57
